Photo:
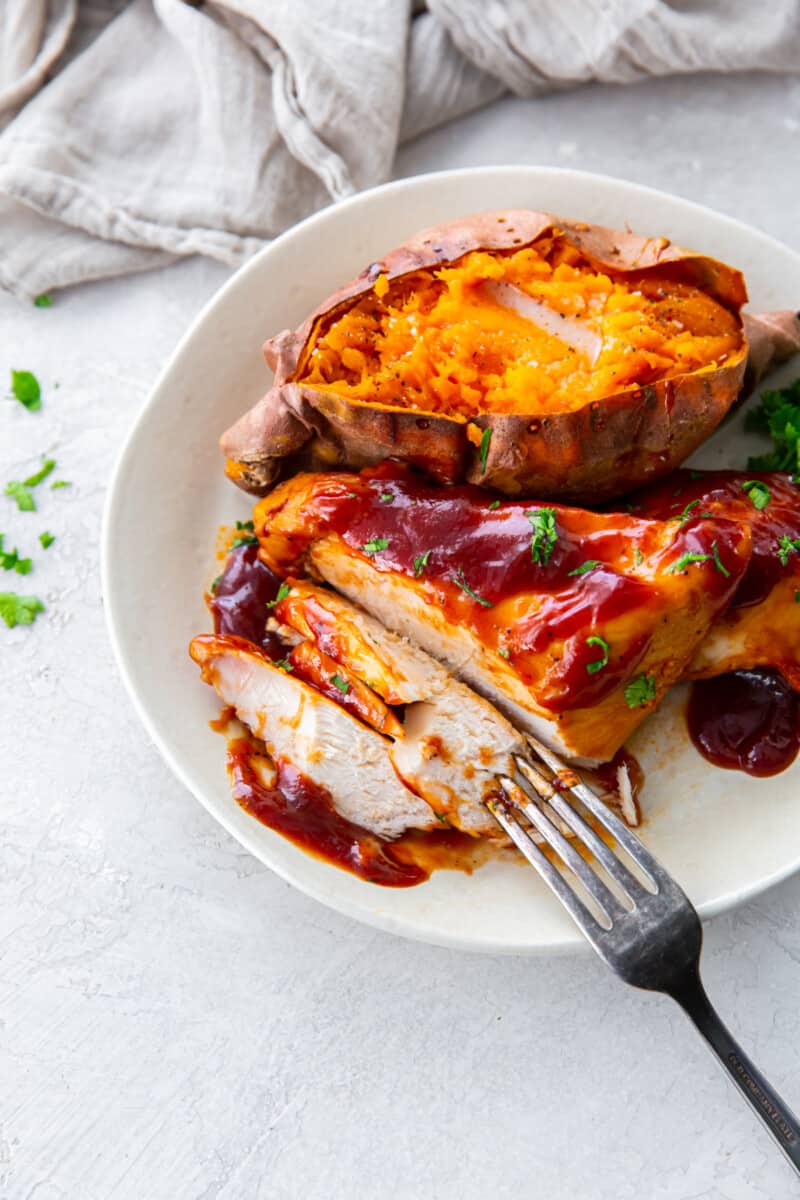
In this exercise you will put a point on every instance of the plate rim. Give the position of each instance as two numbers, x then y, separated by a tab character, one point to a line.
375	919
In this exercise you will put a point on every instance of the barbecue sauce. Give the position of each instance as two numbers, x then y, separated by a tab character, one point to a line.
746	720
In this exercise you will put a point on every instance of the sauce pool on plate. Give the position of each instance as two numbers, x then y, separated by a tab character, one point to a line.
746	720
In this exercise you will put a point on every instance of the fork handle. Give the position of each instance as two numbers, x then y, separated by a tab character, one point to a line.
763	1099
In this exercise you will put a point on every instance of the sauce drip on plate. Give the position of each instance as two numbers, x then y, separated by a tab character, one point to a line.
747	720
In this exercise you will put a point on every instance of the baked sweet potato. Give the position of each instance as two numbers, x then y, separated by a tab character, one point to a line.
518	350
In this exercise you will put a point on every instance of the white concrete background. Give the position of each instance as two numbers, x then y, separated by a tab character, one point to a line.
176	1022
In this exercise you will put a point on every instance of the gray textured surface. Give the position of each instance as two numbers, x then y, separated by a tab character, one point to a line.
178	1023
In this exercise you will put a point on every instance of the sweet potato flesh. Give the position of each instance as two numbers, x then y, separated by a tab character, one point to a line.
439	341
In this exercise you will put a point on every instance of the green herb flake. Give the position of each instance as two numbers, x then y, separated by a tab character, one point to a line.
19	610
215	584
245	525
23	566
758	492
503	652
687	513
283	592
686	560
589	565
283	664
26	389
421	562
46	539
787	546
41	474
386	497
460	581
723	570
375	545
341	684
598	664
43	300
797	597
695	474
638	557
640	691
20	493
545	535
495	504
778	416
60	483
247	539
486	438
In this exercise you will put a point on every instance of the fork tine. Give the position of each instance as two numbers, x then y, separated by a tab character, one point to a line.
622	877
569	855
618	830
582	915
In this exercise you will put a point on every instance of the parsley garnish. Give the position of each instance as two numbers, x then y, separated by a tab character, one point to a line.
640	691
43	300
589	565
19	610
283	664
778	415
215	583
245	525
42	473
785	547
599	663
19	492
283	592
687	514
26	389
59	483
461	582
23	566
341	684
421	562
247	539
758	492
545	536
386	497
376	545
11	561
718	563
638	557
686	560
503	652
46	539
493	505
797	597
486	438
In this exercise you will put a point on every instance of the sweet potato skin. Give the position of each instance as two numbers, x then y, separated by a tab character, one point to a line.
593	453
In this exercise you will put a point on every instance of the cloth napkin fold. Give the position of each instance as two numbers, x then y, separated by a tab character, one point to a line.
138	132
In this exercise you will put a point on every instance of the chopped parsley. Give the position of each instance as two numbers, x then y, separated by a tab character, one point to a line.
495	504
341	684
797	597
723	570
376	545
26	389
245	525
46	539
43	300
758	492
787	546
215	583
386	497
247	539
19	610
59	483
283	592
687	514
47	466
589	565
778	416
640	691
23	566
544	536
22	495
638	557
461	582
503	652
598	664
11	561
283	664
686	560
421	562
486	438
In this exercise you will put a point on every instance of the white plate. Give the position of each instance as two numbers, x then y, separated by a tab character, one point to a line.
724	835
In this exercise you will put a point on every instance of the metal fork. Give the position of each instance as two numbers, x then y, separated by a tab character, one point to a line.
634	915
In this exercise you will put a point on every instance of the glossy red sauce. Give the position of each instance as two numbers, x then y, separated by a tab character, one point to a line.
746	720
721	493
489	551
238	603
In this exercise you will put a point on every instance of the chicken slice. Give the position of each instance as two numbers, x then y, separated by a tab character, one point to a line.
761	626
301	726
572	623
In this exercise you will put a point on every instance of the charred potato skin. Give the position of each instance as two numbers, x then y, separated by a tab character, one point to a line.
593	453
